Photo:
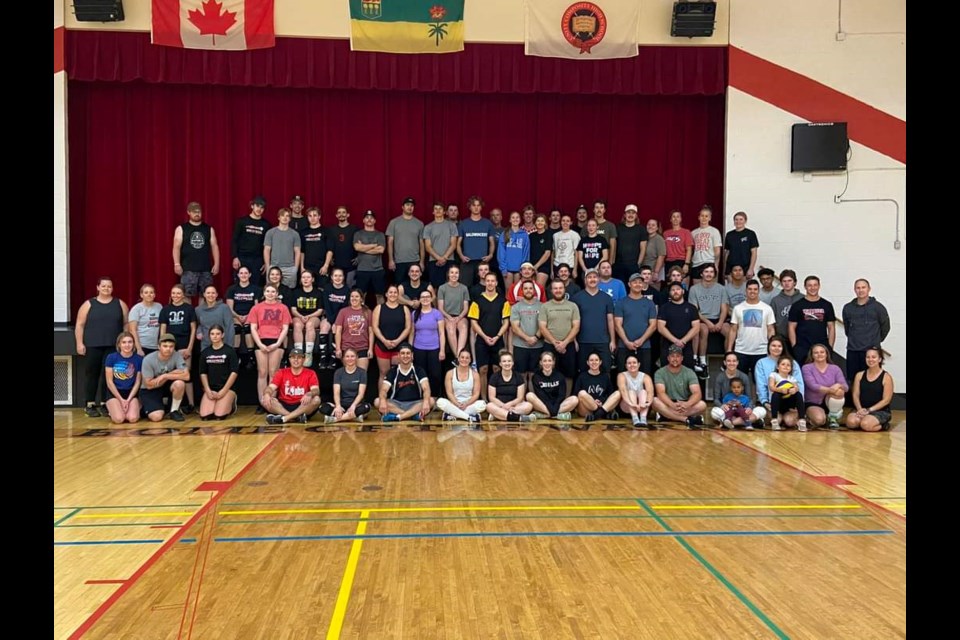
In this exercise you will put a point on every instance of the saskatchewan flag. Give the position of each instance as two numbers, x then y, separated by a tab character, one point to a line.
406	26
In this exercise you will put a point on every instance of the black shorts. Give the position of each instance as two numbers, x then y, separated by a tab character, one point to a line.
526	360
487	355
545	268
375	281
697	269
124	393
152	399
293	406
268	341
672	263
182	342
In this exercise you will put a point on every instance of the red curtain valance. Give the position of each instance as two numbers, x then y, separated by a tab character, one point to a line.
114	56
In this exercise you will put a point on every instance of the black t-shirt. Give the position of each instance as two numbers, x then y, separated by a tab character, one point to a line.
679	317
178	319
248	236
340	240
243	297
413	293
628	244
299	224
333	300
592	250
811	319
313	243
405	387
739	244
284	295
540	243
306	302
218	364
551	389
598	386
506	390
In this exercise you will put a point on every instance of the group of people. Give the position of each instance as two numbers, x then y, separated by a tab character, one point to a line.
534	319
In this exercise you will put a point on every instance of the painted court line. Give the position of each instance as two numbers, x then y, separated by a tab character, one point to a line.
638	516
536	499
346	584
716	574
538	508
67	517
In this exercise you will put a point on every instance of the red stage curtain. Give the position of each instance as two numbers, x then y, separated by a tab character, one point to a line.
114	56
139	152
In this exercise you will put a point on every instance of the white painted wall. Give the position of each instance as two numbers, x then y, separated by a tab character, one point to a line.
484	20
797	221
61	233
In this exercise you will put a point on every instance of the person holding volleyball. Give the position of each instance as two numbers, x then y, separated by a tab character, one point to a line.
785	394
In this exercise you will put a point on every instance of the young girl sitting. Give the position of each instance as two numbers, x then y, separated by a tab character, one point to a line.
785	394
736	407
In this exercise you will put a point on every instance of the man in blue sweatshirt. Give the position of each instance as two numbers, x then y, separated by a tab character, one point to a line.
866	323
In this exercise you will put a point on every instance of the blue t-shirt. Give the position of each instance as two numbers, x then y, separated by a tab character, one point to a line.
593	316
476	236
742	399
636	315
124	369
614	288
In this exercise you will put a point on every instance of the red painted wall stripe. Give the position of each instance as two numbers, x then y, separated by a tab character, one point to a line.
814	101
58	50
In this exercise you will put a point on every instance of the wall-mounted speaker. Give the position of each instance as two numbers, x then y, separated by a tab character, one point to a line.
98	10
693	19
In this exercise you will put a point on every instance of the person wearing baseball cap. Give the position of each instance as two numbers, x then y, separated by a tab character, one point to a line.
635	320
528	273
678	322
165	372
678	396
370	245
631	244
297	219
405	243
293	394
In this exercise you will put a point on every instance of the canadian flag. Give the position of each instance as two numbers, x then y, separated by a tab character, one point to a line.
230	25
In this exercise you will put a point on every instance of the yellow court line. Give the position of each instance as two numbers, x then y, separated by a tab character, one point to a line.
343	597
135	515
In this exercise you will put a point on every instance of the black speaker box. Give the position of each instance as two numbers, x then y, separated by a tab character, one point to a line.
693	19
98	10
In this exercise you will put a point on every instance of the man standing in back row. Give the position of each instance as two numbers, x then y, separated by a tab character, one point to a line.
405	243
248	235
196	255
866	323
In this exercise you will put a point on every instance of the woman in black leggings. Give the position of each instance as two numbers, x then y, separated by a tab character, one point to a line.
99	322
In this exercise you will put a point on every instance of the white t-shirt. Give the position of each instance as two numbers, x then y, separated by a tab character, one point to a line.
565	245
751	322
704	241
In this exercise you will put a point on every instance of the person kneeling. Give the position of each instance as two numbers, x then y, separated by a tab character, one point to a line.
405	392
164	371
294	392
678	392
349	387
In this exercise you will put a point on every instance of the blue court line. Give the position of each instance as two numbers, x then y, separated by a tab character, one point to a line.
84	543
559	498
67	517
719	576
555	534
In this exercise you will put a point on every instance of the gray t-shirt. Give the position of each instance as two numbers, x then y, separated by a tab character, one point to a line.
528	315
282	242
148	323
735	294
768	296
656	247
406	236
781	310
349	384
708	299
451	299
368	261
153	366
440	234
559	317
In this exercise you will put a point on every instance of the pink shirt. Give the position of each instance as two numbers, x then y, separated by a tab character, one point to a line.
269	319
813	380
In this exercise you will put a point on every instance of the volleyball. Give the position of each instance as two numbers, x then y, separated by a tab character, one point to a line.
785	386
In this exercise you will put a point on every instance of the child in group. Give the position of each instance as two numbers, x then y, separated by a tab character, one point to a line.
736	407
785	394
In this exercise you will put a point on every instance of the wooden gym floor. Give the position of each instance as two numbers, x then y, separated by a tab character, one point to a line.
239	530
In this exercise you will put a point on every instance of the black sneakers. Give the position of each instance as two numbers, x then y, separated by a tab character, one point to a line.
176	416
695	422
92	411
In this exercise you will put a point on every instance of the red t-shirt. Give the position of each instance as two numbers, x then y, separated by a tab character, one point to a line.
291	388
269	319
355	328
677	241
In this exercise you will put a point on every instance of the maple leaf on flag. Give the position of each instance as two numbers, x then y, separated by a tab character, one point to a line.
211	21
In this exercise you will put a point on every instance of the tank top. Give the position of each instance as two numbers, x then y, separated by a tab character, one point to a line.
871	393
195	254
462	389
392	324
104	323
635	384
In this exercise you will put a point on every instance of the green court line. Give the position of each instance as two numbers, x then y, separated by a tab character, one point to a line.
716	574
123	524
560	498
68	516
544	517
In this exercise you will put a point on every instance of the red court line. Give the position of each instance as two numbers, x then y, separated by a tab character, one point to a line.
104	582
58	59
816	102
819	479
166	546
